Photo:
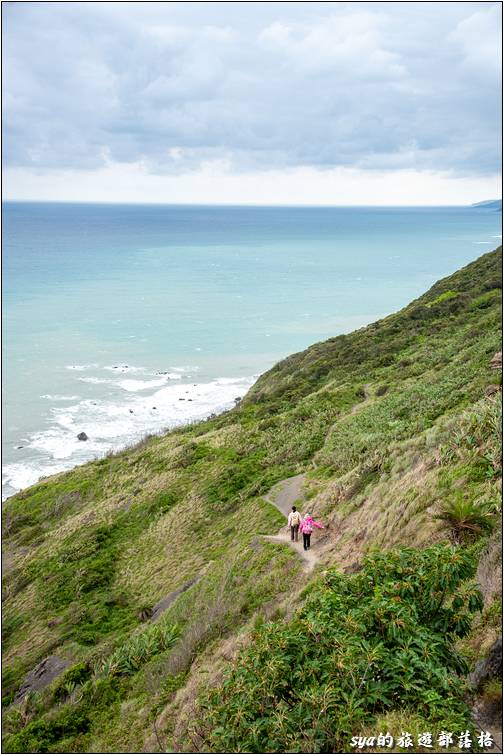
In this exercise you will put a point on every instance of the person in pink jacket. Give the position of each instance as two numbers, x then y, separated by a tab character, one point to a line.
307	525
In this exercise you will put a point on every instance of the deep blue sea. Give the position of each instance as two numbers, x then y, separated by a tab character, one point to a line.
120	320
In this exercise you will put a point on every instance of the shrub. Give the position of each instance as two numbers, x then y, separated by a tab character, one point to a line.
465	519
485	300
362	645
127	659
492	692
69	680
41	735
442	297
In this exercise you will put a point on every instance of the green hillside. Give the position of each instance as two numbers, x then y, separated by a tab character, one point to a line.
169	623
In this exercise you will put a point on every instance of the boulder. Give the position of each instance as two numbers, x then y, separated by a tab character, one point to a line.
39	677
490	667
496	363
491	389
82	436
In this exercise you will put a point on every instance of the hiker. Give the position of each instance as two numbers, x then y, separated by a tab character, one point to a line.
293	521
307	525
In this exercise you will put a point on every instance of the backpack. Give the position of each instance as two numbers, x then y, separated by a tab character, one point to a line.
307	528
295	519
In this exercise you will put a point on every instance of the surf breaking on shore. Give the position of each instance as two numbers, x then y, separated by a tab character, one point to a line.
148	403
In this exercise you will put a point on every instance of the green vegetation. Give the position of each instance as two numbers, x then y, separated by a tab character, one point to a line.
393	426
130	657
360	646
466	519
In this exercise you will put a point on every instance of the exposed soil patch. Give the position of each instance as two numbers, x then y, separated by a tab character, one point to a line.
167	601
286	493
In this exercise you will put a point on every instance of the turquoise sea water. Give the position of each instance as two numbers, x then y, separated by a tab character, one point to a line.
120	320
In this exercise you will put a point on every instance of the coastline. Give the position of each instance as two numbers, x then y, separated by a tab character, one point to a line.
114	424
175	285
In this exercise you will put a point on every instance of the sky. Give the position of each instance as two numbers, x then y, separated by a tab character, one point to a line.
257	103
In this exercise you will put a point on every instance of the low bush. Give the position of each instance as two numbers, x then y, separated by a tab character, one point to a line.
41	735
465	519
127	659
362	645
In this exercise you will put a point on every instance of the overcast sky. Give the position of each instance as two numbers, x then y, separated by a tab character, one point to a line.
309	103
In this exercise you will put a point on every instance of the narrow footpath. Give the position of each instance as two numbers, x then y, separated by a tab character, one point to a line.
283	496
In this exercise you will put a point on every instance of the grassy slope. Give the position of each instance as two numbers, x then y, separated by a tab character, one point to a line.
387	421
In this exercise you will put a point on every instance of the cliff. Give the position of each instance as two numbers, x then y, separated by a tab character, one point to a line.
131	583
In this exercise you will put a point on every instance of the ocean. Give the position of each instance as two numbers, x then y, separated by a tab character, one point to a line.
124	320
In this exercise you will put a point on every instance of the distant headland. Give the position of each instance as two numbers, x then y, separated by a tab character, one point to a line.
489	204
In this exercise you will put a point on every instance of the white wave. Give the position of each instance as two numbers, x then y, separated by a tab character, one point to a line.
57	397
111	425
123	368
483	242
82	367
19	476
141	385
97	380
131	385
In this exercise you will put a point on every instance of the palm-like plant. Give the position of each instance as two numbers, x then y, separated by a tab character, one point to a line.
465	519
127	659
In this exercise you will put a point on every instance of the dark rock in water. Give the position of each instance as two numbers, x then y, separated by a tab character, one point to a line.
82	436
189	399
39	677
490	667
154	407
131	411
181	399
19	447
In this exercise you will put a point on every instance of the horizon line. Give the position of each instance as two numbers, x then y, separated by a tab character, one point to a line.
241	204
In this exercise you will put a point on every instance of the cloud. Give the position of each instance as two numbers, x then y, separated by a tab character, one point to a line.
214	183
480	41
374	86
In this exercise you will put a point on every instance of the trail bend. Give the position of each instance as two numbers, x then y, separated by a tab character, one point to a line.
283	496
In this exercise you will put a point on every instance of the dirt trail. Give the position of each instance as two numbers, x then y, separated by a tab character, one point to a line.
283	496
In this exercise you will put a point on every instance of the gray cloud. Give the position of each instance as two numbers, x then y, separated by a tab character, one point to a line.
371	85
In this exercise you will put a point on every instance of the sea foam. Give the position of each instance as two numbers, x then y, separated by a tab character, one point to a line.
112	425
